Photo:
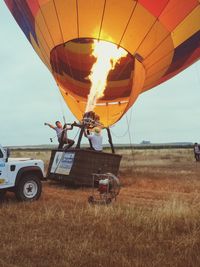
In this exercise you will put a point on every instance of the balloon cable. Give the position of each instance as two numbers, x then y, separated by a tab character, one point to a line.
102	18
130	139
127	129
61	106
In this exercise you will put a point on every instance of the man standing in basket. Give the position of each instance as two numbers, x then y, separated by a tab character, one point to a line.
62	134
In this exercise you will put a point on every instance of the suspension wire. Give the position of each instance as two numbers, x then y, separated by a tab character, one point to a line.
67	60
61	32
78	34
126	131
129	134
130	139
51	34
155	48
149	30
61	106
104	7
131	146
45	21
127	24
144	36
77	18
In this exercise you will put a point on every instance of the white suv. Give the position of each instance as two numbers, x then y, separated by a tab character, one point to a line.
20	175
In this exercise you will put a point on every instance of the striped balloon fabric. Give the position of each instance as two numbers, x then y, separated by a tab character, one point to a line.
162	38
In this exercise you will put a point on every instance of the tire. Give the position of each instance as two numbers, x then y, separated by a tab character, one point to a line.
2	194
29	188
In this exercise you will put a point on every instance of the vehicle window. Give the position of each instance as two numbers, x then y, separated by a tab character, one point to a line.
1	154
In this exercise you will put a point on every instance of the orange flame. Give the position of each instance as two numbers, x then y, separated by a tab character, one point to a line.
107	56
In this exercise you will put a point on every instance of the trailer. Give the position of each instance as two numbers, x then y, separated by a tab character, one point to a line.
77	166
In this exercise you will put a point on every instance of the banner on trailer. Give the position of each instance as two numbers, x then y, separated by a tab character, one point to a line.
63	162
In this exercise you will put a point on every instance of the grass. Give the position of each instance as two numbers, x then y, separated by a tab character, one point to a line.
154	223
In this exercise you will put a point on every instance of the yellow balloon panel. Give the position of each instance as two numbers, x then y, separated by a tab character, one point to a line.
67	14
139	78
43	35
165	47
51	19
156	71
152	80
109	113
116	11
76	107
92	10
158	66
154	38
135	34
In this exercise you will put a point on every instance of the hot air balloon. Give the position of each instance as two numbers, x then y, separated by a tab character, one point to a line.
161	38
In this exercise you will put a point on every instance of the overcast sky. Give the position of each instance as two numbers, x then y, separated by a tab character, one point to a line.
29	97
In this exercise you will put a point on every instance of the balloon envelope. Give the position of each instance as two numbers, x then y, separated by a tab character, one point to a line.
161	37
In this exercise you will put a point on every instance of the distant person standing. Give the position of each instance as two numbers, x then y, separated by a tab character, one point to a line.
196	152
95	139
61	134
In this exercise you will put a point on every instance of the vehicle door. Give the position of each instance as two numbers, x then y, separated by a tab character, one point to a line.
4	174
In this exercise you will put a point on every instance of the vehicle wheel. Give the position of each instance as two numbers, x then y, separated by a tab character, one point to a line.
28	188
2	194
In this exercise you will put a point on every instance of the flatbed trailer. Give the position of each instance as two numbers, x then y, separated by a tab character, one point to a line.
77	166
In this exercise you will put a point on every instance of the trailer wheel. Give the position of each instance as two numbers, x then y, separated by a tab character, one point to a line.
108	201
91	200
28	188
2	194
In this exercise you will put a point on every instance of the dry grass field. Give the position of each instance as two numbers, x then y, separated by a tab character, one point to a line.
155	221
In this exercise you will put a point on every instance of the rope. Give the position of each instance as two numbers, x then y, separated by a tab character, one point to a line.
130	141
77	134
127	129
61	105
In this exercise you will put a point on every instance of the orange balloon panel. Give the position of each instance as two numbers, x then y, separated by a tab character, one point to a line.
161	37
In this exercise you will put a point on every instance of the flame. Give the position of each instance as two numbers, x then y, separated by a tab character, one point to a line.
107	56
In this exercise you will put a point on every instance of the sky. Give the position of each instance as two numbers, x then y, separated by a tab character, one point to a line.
29	97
